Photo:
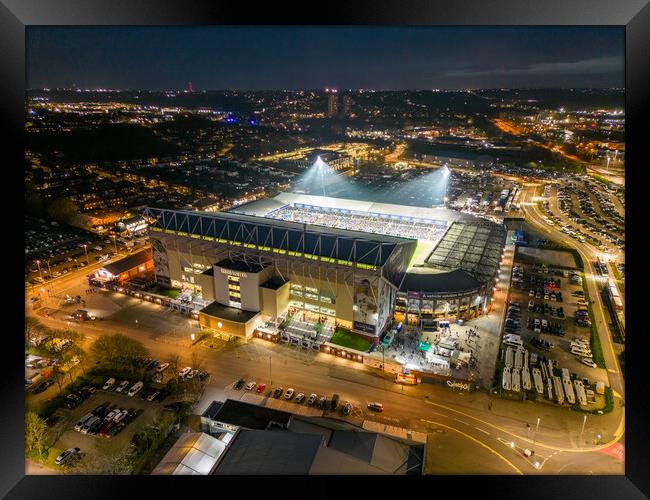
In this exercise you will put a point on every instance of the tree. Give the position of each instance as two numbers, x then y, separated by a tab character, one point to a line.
34	329
118	349
62	210
35	429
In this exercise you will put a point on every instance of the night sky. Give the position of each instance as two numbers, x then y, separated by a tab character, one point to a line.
259	58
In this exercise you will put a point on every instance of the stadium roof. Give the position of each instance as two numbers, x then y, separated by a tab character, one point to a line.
234	228
422	279
473	247
262	208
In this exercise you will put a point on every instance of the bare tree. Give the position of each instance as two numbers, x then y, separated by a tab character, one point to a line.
35	430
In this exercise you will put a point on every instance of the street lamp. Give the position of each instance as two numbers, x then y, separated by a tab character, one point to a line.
584	421
38	263
86	252
535	436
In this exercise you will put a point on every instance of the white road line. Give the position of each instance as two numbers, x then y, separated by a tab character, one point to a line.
461	421
483	431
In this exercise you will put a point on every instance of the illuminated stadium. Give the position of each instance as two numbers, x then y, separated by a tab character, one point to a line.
289	262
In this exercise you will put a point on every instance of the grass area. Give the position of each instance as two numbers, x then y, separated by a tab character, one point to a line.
348	339
172	293
47	458
594	341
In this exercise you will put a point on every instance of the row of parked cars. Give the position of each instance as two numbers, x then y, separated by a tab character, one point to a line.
321	402
75	398
106	420
542	308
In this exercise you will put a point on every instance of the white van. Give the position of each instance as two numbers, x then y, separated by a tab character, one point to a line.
109	383
82	421
512	340
136	387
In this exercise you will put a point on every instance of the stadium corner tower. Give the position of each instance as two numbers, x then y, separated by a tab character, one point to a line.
355	264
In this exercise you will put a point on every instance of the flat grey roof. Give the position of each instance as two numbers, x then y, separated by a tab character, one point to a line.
269	453
228	313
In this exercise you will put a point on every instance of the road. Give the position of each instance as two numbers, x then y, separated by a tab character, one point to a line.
471	422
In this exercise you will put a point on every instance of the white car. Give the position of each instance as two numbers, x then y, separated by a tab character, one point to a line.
312	399
109	383
162	367
192	374
289	394
250	386
153	395
66	455
136	387
122	386
588	362
185	371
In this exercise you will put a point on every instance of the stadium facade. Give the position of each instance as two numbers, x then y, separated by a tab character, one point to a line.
355	264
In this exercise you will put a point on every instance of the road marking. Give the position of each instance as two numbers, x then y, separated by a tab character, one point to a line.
551	447
483	431
478	442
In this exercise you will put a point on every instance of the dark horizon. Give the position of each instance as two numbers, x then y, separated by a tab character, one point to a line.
314	58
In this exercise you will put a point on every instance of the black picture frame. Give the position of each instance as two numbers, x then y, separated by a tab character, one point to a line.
16	15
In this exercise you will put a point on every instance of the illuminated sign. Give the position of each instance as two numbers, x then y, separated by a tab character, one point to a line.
234	273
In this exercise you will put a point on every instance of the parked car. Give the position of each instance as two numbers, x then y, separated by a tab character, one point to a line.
122	386
135	388
588	362
66	455
185	371
278	392
347	408
300	398
82	421
312	399
240	383
289	394
108	384
162	368
250	386
192	374
260	388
